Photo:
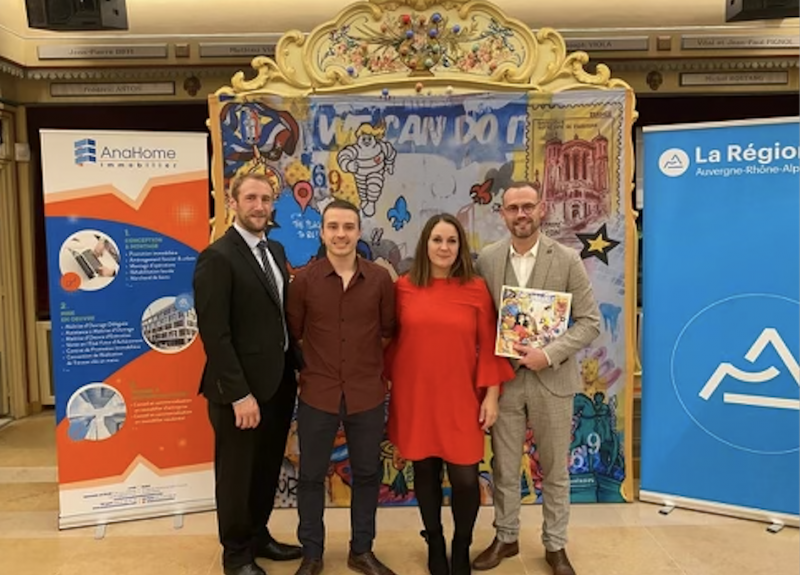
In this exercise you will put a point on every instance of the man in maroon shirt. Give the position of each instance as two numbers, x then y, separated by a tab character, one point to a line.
342	310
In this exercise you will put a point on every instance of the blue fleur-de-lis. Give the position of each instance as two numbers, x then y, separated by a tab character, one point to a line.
398	215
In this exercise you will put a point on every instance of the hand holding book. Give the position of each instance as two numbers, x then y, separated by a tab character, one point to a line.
531	357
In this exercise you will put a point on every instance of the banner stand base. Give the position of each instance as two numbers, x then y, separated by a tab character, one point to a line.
100	523
100	530
667	509
776	527
673	501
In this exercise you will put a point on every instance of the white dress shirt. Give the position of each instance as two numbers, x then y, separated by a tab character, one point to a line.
523	263
252	242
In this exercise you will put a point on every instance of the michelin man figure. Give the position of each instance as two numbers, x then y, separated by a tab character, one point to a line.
369	159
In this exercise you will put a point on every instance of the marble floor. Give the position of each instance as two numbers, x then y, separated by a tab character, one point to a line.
632	539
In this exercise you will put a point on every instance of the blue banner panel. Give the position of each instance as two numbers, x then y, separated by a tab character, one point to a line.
721	383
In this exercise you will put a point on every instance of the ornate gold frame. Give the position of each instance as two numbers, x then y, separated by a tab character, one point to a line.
543	65
518	60
546	68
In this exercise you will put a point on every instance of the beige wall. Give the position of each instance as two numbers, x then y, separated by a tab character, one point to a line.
178	18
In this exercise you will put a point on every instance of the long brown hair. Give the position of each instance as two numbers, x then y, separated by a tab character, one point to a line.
420	272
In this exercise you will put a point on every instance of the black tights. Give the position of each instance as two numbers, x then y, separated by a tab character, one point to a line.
466	497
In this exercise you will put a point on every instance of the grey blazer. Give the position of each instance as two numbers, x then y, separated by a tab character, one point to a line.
557	268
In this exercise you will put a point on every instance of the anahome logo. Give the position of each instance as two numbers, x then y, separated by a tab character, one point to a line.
85	151
137	153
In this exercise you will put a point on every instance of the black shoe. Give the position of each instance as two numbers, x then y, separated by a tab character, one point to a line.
249	569
460	556
310	567
437	553
275	551
367	564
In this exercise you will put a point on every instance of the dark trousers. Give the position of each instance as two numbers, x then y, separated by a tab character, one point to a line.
316	432
247	465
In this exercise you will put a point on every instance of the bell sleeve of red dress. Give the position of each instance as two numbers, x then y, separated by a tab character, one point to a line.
492	369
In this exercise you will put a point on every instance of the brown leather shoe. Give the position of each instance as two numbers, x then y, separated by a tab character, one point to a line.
559	561
310	567
494	554
367	564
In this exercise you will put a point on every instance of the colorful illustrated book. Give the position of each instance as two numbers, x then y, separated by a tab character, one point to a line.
530	317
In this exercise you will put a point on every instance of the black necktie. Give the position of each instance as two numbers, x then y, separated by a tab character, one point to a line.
273	285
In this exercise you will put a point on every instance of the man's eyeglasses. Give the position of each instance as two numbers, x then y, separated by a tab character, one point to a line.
527	209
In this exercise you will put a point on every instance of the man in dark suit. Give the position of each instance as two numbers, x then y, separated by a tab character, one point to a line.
249	379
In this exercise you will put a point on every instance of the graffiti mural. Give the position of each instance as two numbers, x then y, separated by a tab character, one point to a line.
401	160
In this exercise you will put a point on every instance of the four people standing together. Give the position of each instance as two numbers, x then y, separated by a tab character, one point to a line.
354	336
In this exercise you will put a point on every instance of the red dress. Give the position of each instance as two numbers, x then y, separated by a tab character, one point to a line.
441	357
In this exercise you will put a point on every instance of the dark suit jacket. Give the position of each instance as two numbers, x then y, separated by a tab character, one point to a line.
239	321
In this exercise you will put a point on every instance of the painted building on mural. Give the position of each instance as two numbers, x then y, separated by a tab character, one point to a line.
576	183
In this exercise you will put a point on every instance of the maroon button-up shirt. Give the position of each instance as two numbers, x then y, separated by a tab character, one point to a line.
341	332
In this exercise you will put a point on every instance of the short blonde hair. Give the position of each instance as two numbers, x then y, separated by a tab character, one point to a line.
269	177
377	131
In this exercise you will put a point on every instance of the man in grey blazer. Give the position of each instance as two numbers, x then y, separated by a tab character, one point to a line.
546	381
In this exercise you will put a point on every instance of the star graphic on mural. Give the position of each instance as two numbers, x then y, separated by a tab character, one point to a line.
597	244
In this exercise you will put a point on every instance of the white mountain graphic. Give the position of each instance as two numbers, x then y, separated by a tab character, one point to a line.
767	337
673	162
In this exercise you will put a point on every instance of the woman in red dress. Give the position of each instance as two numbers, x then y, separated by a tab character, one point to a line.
445	383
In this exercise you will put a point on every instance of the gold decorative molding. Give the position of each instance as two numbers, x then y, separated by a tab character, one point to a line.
396	44
11	69
694	65
126	73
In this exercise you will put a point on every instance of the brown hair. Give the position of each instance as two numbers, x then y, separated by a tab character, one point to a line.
420	272
237	182
339	204
522	184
